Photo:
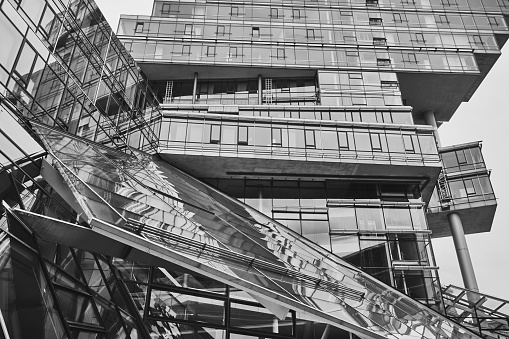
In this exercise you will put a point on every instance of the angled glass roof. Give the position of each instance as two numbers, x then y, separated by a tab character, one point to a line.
151	206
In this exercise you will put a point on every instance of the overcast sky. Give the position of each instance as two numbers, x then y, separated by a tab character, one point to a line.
484	118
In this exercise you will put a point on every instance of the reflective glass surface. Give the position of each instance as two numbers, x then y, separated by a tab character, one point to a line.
231	242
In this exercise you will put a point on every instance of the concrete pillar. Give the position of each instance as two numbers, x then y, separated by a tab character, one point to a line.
460	243
429	119
195	88
260	90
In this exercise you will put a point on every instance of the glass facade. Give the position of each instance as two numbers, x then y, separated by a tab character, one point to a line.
233	170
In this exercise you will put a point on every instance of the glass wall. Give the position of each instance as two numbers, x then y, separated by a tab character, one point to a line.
65	68
272	139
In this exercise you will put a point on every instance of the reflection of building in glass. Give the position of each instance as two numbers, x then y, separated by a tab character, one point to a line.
234	170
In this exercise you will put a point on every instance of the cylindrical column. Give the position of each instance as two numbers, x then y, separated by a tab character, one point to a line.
195	87
260	90
429	119
326	332
460	243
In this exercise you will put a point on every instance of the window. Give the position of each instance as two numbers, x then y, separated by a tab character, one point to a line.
233	52
188	30
353	75
220	30
462	159
409	58
310	139
383	62
211	50
235	11
215	134
442	19
379	41
281	53
419	37
255	32
389	84
375	142
371	2
408	2
166	9
276	136
493	21
296	14
399	17
186	49
310	33
477	39
407	141
243	135
449	3
375	21
343	140
274	13
469	185
139	27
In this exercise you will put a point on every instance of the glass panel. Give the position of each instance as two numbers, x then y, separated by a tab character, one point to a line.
397	217
369	218
345	244
342	218
76	307
182	278
177	305
25	297
259	319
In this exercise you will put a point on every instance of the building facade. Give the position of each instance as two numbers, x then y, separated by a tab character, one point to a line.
238	170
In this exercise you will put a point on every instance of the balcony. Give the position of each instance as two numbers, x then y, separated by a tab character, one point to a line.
464	187
219	146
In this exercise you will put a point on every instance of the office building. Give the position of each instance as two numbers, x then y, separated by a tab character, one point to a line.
239	170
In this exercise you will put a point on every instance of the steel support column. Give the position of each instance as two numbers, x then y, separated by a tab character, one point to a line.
460	243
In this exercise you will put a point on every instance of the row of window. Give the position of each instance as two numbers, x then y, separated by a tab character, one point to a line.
462	160
372	116
224	53
279	135
312	35
290	34
290	14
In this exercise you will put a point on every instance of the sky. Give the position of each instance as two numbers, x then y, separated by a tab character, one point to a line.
486	118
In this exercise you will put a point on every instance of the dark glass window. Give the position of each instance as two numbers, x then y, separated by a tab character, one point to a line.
186	49
375	21
296	13
280	53
379	41
256	32
383	62
310	33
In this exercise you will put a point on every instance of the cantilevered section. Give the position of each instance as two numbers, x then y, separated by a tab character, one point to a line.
464	187
155	214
